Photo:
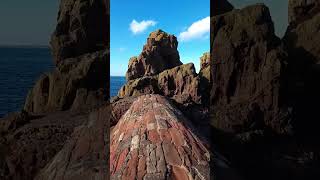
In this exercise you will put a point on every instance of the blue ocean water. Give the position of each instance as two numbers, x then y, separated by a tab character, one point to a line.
116	82
20	68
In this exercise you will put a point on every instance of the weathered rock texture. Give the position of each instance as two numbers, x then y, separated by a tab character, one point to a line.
85	154
76	83
29	143
119	107
153	140
181	83
246	71
158	54
82	27
301	10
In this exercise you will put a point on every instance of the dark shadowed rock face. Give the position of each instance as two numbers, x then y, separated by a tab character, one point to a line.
81	28
181	83
29	143
303	74
220	7
76	83
119	107
84	155
159	53
246	71
153	140
300	10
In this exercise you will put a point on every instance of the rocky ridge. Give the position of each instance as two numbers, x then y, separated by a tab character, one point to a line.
156	144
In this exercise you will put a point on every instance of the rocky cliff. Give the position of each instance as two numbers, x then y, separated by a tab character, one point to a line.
265	90
54	136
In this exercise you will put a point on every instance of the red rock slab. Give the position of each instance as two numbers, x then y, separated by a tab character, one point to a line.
160	143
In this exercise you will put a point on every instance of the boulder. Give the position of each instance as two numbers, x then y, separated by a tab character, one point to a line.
153	140
180	83
77	83
82	27
248	60
158	54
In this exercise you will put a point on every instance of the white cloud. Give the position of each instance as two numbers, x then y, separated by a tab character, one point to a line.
197	30
139	27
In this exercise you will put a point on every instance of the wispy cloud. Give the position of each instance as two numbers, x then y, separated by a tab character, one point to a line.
139	27
122	49
197	30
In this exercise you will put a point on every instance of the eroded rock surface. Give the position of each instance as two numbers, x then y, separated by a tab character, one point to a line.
76	83
85	154
29	143
153	140
158	54
246	71
82	27
181	83
300	10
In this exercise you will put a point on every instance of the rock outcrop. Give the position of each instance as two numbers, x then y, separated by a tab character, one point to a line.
85	154
77	83
153	140
29	143
246	71
158	54
82	28
58	106
301	10
180	83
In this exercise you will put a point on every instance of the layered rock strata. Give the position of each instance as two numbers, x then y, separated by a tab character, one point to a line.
153	140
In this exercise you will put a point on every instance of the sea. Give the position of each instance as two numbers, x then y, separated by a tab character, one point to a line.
20	67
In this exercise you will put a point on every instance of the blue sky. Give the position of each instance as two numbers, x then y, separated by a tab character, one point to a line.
27	22
172	16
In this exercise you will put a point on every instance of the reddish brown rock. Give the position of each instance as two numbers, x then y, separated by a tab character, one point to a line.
246	71
144	130
118	108
159	53
181	83
84	155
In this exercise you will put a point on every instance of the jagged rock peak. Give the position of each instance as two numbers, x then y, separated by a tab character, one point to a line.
158	54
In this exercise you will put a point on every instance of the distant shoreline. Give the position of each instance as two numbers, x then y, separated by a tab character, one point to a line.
25	46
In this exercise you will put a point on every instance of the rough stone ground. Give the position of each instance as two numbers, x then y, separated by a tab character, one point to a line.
153	140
